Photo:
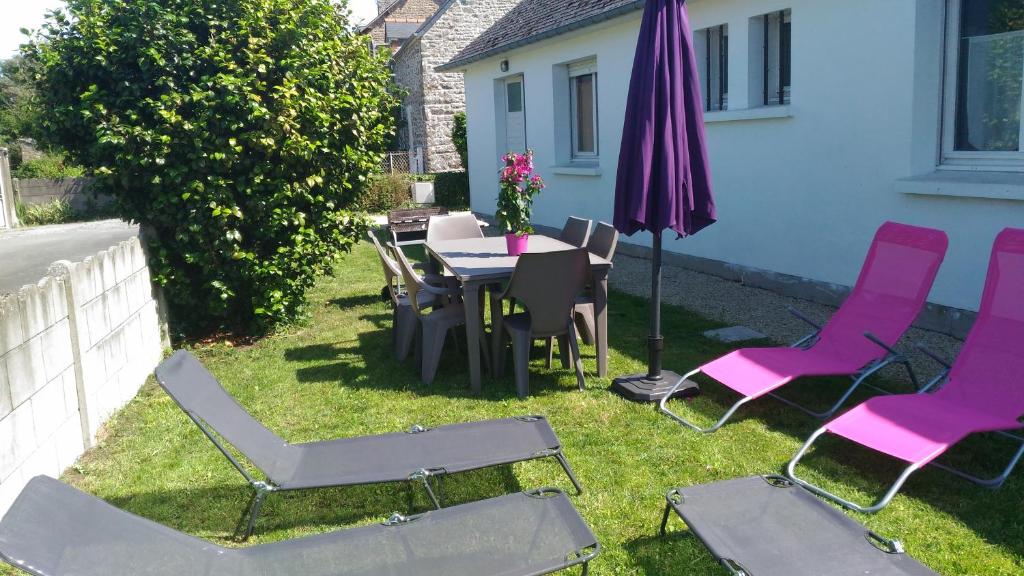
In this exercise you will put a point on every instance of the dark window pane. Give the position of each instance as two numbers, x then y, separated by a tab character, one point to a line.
515	96
989	76
585	136
784	46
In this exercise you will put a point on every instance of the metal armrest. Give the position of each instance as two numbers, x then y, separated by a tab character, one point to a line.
929	353
800	316
881	344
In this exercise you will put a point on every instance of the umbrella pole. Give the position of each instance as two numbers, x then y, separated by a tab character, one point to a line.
654	385
655	342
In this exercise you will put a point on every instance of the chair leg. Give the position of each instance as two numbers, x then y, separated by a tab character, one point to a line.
521	360
252	511
584	318
996	481
549	351
405	331
881	503
574	348
663	407
433	345
563	350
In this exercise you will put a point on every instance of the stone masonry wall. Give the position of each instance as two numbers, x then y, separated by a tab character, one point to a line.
443	93
74	348
405	11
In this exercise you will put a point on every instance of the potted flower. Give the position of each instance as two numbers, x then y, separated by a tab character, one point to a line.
515	200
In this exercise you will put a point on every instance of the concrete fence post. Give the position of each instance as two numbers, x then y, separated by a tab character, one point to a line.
63	269
8	214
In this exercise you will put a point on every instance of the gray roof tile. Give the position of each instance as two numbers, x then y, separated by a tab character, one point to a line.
534	20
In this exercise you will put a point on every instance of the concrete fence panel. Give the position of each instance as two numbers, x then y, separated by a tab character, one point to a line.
74	348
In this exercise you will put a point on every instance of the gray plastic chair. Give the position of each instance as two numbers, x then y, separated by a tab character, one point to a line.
453	227
419	455
546	285
435	324
53	529
403	317
576	231
602	243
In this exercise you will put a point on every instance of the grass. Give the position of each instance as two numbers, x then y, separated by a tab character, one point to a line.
336	376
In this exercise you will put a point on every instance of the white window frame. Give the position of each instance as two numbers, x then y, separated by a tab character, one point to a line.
576	70
951	159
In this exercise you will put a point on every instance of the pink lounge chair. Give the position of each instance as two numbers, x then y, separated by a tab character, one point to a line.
857	342
983	390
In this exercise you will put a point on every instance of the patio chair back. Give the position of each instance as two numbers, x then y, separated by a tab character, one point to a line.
989	372
414	283
199	394
891	291
547	284
603	241
576	231
390	266
453	227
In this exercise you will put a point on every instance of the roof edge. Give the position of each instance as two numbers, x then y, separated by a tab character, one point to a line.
424	28
586	22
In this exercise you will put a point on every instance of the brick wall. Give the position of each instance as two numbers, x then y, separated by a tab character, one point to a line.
74	348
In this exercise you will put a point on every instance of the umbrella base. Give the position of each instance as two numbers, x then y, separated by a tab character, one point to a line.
639	388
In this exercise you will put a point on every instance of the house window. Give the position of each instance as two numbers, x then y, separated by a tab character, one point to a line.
712	46
984	79
583	109
775	32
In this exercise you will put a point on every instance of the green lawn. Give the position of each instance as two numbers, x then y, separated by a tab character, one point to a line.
336	376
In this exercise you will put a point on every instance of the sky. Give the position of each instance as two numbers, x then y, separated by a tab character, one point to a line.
17	14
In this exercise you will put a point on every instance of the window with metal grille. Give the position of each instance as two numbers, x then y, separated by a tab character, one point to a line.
776	67
712	46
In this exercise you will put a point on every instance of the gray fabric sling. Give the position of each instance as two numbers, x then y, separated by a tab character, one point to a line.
55	530
405	456
767	526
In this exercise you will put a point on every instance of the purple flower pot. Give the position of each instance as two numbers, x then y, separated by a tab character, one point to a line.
516	243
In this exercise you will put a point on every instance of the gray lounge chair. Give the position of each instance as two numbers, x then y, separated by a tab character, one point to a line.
576	231
417	455
768	526
55	530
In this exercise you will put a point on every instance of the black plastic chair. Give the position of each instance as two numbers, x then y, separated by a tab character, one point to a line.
575	232
602	243
545	284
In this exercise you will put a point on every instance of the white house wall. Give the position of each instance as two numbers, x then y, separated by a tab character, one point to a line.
798	195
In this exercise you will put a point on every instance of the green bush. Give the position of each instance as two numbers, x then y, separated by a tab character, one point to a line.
239	133
460	140
386	192
51	165
451	190
56	212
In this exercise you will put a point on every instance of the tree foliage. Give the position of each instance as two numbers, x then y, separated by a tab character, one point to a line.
459	138
19	111
238	132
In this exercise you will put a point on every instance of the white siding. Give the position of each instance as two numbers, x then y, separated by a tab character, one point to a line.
801	194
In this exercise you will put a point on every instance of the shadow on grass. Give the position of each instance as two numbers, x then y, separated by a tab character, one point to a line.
214	511
678	552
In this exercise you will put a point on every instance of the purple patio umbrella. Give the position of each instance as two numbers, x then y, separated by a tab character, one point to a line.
664	181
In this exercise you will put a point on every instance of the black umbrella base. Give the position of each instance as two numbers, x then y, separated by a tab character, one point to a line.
639	388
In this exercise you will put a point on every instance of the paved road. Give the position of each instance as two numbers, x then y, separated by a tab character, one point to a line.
26	253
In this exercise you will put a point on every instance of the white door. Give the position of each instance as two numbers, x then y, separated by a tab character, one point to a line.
515	115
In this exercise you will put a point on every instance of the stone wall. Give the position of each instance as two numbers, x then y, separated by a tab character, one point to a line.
435	97
404	11
74	348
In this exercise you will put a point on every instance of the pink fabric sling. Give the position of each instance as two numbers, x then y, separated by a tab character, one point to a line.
985	388
892	288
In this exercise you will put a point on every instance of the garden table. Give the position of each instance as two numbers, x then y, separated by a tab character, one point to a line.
476	262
